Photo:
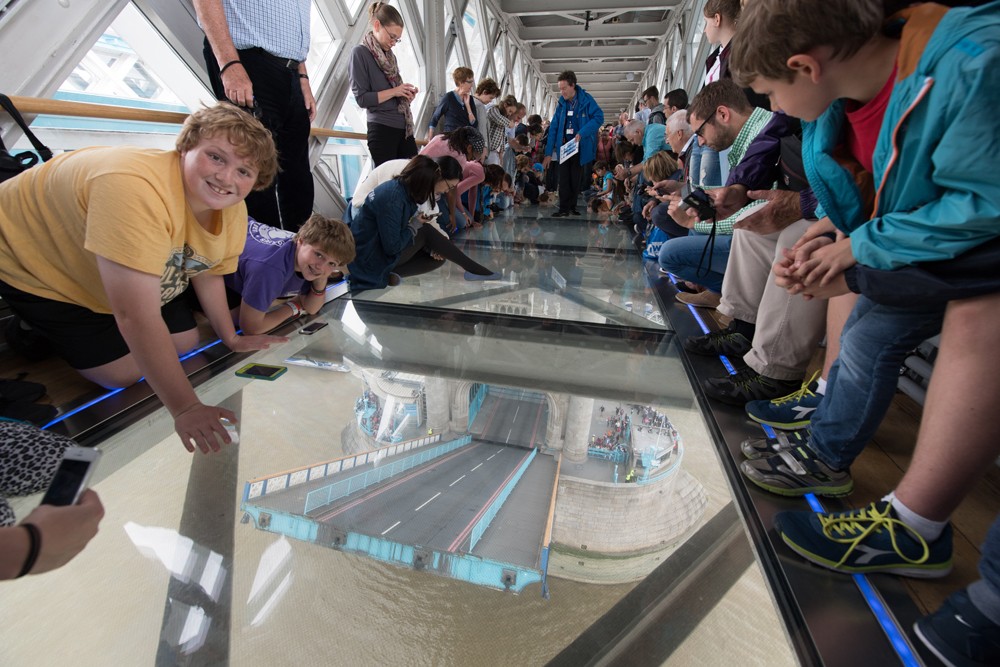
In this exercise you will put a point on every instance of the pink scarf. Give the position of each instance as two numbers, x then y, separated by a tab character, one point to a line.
386	61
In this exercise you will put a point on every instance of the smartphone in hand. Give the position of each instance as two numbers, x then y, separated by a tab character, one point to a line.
72	476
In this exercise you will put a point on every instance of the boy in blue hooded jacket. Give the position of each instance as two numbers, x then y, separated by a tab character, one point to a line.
923	246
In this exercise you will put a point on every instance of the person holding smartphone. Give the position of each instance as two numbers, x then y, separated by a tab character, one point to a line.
390	231
50	536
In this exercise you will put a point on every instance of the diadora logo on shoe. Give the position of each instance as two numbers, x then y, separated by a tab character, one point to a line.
801	412
870	554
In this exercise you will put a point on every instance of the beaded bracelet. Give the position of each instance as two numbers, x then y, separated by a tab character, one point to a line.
34	548
317	292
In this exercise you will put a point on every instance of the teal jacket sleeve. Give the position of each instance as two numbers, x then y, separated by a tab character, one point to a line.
941	191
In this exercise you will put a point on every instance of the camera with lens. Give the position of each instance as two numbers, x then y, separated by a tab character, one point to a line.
700	201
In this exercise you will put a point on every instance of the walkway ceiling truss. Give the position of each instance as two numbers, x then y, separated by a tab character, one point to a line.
615	51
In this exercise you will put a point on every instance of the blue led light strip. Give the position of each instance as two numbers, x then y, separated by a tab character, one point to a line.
889	626
112	392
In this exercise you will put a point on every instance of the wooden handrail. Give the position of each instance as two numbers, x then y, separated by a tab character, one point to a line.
36	105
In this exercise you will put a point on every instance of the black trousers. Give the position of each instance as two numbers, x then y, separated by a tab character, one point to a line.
570	173
413	262
389	143
278	92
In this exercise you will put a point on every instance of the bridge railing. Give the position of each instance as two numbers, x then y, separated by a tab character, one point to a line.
547	536
491	512
261	486
345	487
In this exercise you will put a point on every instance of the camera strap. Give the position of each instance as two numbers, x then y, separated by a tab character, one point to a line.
709	249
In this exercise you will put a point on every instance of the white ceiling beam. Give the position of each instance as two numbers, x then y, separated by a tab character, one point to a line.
652	29
595	66
547	53
527	7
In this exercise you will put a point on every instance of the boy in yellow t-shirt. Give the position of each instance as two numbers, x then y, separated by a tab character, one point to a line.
96	244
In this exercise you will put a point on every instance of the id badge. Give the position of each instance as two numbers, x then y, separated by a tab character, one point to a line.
569	113
569	130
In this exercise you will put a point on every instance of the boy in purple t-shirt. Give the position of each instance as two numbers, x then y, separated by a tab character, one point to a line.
277	264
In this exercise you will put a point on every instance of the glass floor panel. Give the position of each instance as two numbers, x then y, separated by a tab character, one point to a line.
575	269
418	489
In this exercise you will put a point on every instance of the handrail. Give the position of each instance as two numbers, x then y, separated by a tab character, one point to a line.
547	538
37	105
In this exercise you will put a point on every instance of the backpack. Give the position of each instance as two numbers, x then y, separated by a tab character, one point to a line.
13	164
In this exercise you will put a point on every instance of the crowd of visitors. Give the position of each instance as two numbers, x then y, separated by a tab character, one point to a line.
834	174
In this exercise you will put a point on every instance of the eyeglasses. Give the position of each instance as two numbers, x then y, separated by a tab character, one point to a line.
701	128
394	38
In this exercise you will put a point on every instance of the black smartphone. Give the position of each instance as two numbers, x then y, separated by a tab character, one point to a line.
72	476
312	328
261	371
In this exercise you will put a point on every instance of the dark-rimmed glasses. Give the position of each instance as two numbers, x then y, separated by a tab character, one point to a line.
701	128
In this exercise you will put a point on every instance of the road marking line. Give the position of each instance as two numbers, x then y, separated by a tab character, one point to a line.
391	527
491	457
474	469
428	500
508	434
515	414
457	481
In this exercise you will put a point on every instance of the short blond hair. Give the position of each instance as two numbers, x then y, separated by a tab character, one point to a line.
659	166
770	32
247	134
331	236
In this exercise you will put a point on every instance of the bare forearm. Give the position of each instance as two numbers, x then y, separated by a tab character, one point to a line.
13	551
150	344
213	22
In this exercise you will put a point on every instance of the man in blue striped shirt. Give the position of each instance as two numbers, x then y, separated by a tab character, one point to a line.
255	53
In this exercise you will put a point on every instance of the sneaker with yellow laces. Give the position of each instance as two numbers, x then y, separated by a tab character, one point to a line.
790	412
867	540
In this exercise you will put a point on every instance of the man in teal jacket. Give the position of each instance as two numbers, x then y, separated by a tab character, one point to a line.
576	120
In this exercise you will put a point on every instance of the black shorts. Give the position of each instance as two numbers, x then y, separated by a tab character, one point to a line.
82	337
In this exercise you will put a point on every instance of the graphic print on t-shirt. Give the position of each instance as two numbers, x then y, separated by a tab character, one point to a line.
181	265
261	233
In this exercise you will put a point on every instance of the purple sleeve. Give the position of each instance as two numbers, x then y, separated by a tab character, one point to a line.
758	170
262	284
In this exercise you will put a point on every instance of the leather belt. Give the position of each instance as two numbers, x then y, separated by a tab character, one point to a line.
287	63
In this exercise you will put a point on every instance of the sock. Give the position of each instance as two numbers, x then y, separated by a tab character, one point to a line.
741	327
928	529
821	386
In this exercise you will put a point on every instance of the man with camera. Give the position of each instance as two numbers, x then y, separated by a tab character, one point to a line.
722	118
774	333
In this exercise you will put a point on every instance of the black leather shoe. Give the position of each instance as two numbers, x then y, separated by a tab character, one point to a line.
560	214
575	212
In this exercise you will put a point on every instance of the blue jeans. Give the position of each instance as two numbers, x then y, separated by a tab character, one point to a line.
682	256
704	168
985	593
863	379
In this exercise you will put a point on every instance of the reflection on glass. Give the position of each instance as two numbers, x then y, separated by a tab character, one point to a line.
492	484
186	561
272	580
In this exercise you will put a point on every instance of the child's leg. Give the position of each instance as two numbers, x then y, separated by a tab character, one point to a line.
959	433
863	379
